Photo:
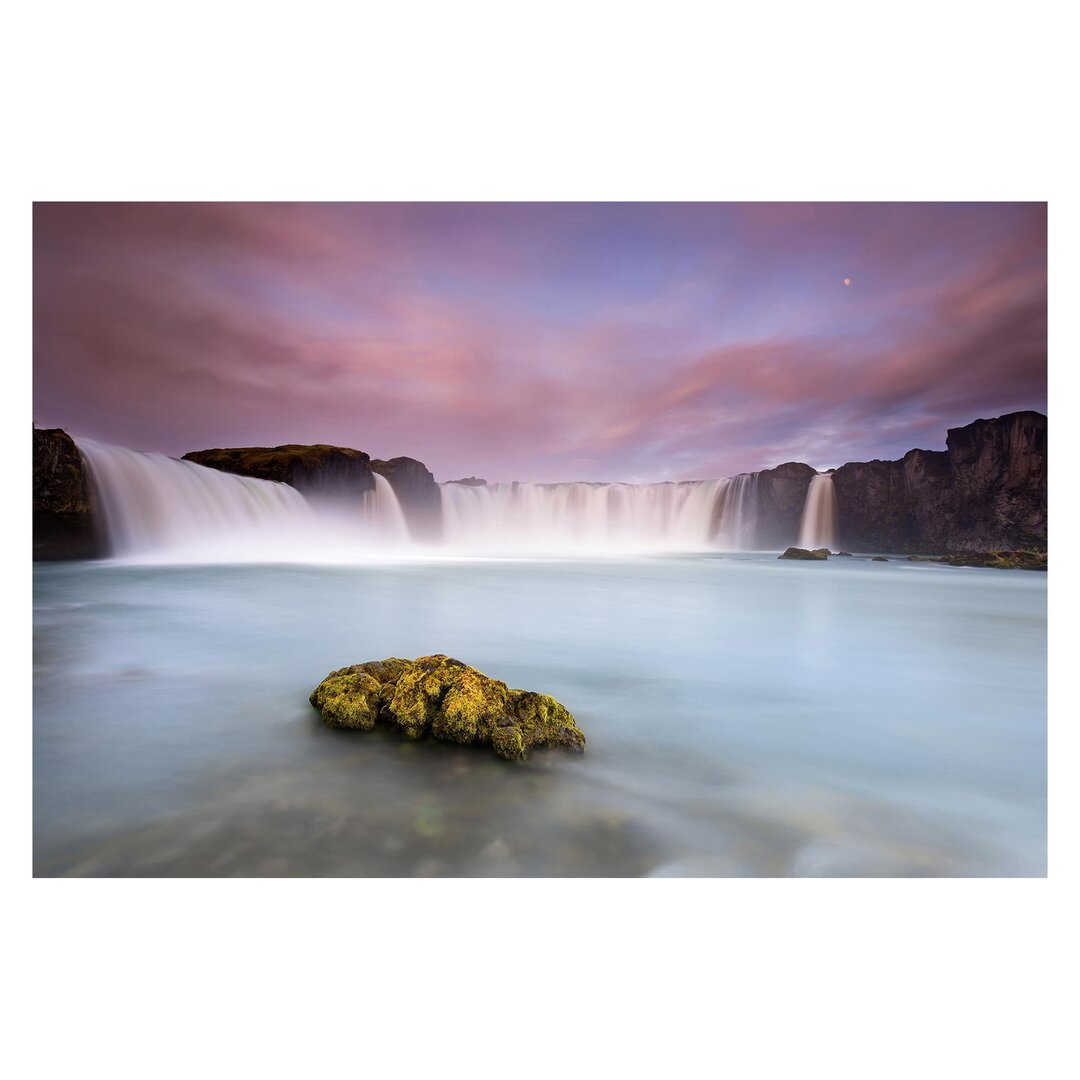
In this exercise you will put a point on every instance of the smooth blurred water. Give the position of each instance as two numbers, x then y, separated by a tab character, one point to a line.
744	716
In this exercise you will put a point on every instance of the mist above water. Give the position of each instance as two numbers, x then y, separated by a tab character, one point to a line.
173	733
744	715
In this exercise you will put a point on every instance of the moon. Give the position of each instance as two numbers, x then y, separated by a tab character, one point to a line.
847	281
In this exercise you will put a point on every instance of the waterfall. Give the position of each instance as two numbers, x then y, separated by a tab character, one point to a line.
592	517
154	507
736	516
819	516
387	516
157	508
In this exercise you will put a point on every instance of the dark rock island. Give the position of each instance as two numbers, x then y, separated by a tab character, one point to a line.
817	555
444	698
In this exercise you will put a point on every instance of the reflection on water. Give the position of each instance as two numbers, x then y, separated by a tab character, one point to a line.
744	717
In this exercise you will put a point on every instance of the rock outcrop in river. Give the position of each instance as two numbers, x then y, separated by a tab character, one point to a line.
447	699
986	491
63	518
817	555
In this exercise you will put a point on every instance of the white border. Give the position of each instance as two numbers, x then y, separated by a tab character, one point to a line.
680	101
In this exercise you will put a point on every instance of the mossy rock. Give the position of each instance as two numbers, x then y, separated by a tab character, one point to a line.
442	697
998	560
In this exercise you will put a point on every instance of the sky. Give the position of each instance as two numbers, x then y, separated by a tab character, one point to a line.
544	342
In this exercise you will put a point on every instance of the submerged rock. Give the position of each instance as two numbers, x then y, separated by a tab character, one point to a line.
998	560
802	553
447	699
845	554
879	558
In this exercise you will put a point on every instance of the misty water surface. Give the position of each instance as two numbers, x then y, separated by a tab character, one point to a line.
744	716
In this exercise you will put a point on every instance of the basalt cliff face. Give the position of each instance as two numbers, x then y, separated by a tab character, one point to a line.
986	491
336	472
63	516
417	492
781	498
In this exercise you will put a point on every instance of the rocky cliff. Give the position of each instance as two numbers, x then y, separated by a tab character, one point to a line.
781	498
986	491
417	492
336	472
63	517
314	470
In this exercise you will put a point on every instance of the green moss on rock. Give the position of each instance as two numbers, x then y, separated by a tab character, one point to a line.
998	560
349	700
442	697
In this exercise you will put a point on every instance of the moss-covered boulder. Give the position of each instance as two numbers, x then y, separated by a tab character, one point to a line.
816	555
444	698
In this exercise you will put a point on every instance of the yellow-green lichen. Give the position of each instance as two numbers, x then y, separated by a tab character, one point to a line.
348	700
447	699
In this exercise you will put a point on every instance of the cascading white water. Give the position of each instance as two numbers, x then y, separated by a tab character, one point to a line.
736	523
158	508
388	519
689	516
819	515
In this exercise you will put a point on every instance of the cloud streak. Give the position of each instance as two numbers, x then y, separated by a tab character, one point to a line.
540	342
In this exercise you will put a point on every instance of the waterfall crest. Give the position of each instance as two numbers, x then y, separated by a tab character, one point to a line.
687	516
819	515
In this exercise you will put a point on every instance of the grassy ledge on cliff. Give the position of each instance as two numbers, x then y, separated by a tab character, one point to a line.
444	698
